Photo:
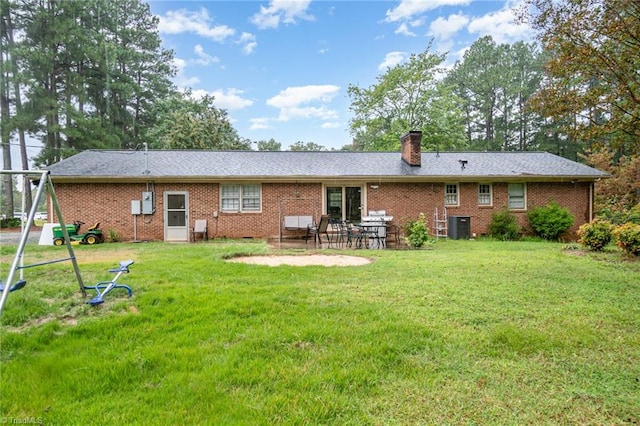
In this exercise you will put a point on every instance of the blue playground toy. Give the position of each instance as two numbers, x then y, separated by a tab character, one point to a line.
107	286
17	286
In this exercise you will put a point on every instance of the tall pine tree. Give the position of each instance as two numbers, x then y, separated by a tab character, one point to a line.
92	71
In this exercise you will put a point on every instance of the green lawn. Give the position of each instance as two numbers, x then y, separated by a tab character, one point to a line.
471	332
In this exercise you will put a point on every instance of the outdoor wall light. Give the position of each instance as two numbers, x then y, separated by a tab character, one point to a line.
375	186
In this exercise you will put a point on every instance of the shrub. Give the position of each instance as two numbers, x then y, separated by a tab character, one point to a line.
628	238
417	232
504	226
550	221
621	217
10	222
596	234
114	237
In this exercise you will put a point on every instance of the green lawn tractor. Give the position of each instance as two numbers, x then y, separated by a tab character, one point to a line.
92	236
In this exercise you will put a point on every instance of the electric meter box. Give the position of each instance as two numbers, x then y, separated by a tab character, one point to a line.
135	207
147	202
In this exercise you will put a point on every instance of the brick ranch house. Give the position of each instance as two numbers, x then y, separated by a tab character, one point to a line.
158	195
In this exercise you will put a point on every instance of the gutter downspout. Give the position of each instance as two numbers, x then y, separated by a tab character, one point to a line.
591	194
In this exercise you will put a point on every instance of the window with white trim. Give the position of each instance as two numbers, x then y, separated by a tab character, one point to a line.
240	198
451	194
484	194
517	195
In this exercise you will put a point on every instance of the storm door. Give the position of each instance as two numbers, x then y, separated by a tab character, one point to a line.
176	218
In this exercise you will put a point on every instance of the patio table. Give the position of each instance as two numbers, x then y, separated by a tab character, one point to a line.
371	235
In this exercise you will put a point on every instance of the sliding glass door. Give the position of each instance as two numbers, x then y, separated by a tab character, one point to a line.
344	202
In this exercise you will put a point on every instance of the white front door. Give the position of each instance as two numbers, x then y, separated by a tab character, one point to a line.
176	217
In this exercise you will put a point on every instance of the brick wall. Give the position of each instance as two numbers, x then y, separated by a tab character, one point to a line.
110	204
406	201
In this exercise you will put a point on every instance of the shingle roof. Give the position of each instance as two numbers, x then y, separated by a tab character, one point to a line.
93	164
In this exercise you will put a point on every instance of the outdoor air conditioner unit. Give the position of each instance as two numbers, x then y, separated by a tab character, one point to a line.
459	227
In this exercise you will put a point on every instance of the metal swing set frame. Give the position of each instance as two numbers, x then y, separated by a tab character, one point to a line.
43	181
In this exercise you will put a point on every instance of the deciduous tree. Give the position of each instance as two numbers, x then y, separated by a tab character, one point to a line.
270	145
306	146
593	84
183	122
407	97
593	87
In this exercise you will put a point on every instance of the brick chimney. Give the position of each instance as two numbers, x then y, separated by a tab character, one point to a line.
411	152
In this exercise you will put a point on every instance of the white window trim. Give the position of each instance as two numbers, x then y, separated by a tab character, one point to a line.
490	203
457	194
524	196
240	199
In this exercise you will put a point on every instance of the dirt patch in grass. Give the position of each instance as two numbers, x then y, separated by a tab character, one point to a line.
84	256
314	259
102	256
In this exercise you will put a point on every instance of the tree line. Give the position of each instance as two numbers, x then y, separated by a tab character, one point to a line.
94	75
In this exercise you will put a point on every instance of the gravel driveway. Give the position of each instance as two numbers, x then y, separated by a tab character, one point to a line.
13	237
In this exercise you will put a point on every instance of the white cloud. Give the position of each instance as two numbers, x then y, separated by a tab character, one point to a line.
293	96
407	9
331	125
200	23
185	21
291	102
444	29
259	124
181	80
403	29
198	94
179	64
249	43
281	11
230	99
392	59
322	113
203	57
501	25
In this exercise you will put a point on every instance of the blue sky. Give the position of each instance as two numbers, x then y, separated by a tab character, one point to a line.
282	68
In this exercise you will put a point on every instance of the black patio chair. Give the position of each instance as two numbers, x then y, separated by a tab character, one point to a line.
318	229
393	233
340	233
355	235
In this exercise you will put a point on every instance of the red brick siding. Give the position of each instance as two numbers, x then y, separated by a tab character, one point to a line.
110	204
574	197
405	201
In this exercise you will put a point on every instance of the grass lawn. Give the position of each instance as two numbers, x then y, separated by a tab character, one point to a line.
471	332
